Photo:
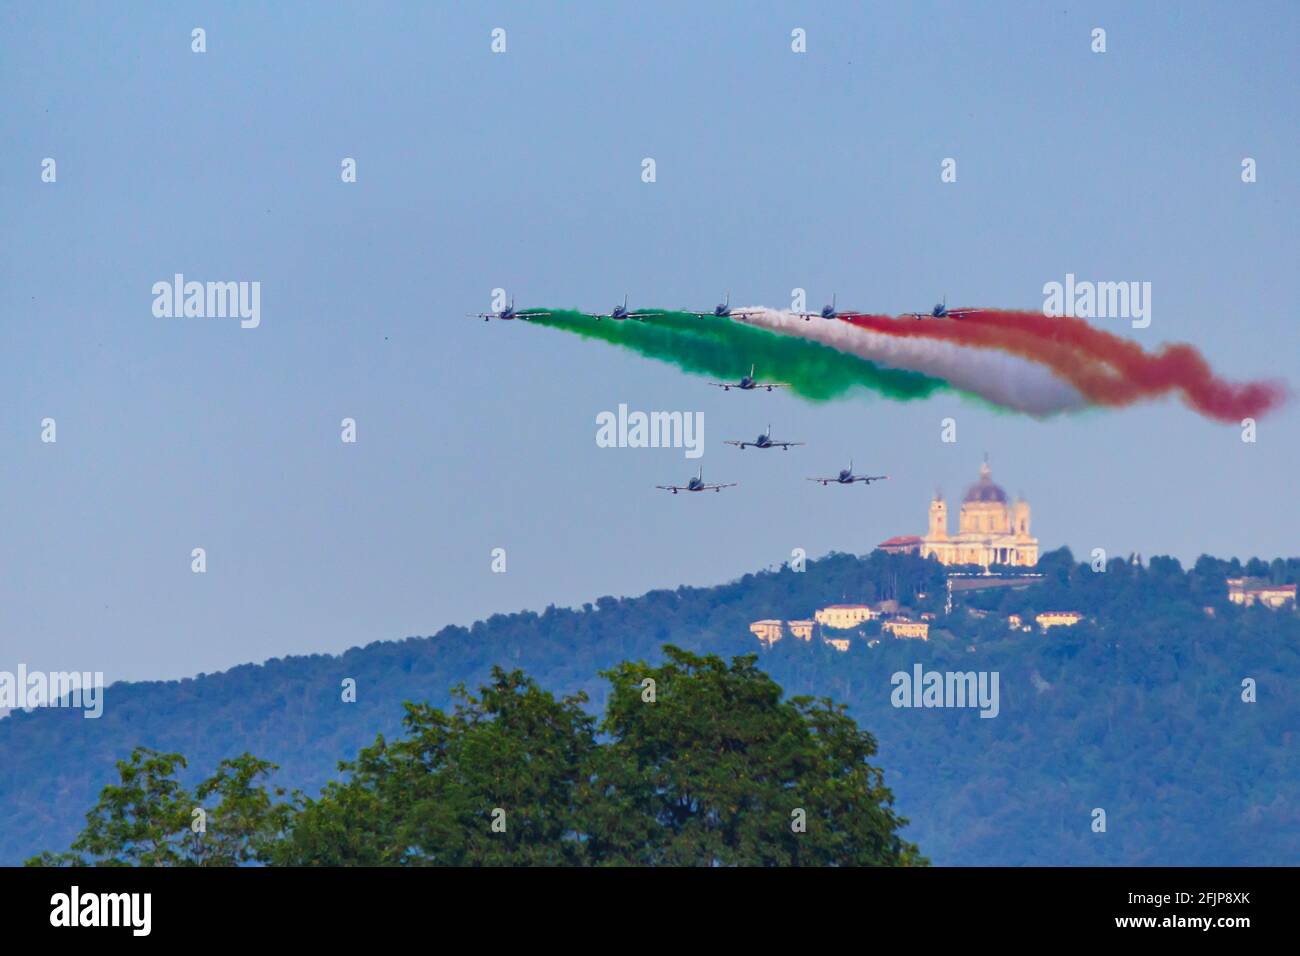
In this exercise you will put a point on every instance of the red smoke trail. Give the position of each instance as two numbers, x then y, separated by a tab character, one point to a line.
1106	368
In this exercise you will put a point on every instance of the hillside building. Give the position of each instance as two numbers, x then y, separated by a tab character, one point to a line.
1248	591
844	615
906	627
1058	619
800	629
768	632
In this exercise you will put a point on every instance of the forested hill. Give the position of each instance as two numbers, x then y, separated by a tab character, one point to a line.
1137	710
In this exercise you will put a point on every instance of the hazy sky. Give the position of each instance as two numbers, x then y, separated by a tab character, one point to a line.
522	170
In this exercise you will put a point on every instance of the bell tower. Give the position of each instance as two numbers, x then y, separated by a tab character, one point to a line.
938	517
1021	518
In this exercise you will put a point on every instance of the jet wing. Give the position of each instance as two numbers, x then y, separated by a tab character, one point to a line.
824	481
785	444
954	313
738	444
730	484
769	385
868	479
671	487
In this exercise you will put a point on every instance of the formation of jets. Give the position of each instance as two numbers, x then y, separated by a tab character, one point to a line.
764	441
747	383
723	310
847	477
940	311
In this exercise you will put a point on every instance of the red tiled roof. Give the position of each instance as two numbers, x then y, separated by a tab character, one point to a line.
901	539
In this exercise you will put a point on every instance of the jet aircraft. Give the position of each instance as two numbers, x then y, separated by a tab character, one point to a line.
941	311
622	312
847	477
764	441
827	312
747	383
507	313
696	483
723	311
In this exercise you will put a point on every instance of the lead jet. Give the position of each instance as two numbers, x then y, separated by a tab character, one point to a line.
764	441
847	477
723	311
696	484
747	383
941	311
507	313
827	312
621	312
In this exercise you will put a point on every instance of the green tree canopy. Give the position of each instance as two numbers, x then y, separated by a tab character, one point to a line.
719	770
492	783
150	819
697	762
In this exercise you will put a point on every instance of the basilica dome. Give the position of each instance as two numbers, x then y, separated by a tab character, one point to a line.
985	489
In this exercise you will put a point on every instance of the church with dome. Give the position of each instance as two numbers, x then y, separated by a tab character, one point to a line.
990	530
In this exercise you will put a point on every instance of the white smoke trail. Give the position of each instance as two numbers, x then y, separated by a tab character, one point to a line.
1001	378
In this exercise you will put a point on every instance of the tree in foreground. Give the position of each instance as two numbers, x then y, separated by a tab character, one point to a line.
696	762
149	819
491	784
719	770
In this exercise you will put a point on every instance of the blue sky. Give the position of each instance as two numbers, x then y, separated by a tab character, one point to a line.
522	171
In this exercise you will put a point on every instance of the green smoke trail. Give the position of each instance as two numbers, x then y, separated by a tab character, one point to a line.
725	350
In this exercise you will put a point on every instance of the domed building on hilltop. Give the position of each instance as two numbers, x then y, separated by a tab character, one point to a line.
989	530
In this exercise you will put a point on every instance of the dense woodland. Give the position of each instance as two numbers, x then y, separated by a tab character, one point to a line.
1137	710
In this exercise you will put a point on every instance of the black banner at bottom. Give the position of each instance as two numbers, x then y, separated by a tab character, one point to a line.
335	905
